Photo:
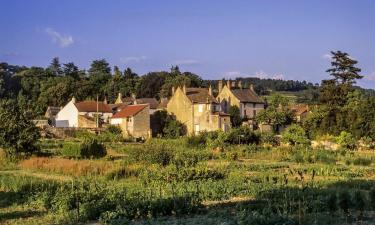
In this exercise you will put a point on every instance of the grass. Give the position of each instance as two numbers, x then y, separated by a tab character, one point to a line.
237	185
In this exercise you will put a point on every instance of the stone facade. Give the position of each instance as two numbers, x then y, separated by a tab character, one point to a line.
197	110
245	99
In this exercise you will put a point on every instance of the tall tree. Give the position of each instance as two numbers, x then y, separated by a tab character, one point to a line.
71	70
55	67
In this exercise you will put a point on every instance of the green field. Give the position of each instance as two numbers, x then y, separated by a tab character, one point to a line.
188	181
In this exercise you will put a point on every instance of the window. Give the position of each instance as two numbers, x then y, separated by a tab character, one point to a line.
244	112
254	105
128	119
254	113
200	108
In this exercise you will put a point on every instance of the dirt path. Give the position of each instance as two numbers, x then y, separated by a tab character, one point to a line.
38	175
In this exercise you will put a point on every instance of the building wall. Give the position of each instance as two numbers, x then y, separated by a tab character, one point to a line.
141	121
247	109
67	116
180	106
227	99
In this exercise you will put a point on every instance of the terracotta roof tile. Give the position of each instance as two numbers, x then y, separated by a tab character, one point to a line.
93	106
128	111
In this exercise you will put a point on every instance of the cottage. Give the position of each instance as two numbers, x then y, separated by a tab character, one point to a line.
153	102
51	114
300	112
86	114
198	110
245	99
134	121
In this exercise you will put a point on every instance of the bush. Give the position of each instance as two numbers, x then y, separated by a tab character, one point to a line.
113	129
270	139
90	148
242	135
346	140
173	129
295	135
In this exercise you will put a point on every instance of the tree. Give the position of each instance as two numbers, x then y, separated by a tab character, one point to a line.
235	117
55	67
18	135
343	68
346	140
295	135
71	70
173	129
277	113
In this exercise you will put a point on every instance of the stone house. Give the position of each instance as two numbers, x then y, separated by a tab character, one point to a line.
245	99
86	114
300	112
134	121
153	102
197	109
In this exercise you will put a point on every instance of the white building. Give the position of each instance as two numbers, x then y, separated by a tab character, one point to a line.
83	114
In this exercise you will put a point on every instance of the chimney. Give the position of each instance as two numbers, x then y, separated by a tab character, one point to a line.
119	98
173	90
252	87
229	84
105	100
220	85
240	84
73	100
210	90
134	97
184	89
233	84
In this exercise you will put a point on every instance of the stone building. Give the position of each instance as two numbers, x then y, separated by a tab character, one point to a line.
197	109
86	114
245	99
134	121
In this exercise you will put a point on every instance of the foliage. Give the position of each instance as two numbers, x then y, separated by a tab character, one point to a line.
18	135
173	129
277	113
242	135
346	140
295	135
235	117
89	148
113	129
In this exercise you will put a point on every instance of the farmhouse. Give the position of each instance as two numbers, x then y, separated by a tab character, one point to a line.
134	120
86	114
300	112
197	109
245	99
153	102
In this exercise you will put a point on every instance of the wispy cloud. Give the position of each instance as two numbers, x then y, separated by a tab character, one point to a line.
132	59
185	62
370	77
233	74
61	39
263	75
327	56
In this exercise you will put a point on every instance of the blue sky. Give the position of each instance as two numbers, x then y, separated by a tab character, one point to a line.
288	39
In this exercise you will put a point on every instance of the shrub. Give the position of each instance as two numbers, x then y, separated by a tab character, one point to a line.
295	135
346	140
113	129
242	135
270	138
90	148
359	161
173	129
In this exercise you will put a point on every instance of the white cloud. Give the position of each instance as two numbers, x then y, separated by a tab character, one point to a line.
62	40
232	74
261	74
370	77
186	62
278	77
327	56
132	59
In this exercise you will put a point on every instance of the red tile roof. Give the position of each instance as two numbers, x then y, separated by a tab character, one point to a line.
93	106
128	111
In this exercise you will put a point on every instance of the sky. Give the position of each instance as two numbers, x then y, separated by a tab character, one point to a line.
285	39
